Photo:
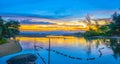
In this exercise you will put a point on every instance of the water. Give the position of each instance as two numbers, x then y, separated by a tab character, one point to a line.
71	50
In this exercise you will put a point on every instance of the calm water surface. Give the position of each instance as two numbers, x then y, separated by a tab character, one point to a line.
70	50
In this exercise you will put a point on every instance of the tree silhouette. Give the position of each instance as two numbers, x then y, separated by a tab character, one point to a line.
8	28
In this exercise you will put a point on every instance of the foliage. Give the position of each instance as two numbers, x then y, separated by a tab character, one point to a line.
3	41
8	28
112	29
91	33
116	24
12	28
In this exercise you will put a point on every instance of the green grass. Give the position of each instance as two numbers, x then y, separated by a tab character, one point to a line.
3	41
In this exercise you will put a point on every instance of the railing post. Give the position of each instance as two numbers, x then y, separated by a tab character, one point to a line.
49	52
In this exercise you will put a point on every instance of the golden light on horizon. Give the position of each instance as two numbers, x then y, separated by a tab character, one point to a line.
61	25
67	27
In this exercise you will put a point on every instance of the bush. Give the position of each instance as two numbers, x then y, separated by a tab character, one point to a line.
3	41
91	33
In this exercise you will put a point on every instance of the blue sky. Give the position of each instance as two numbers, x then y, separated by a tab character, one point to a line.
60	8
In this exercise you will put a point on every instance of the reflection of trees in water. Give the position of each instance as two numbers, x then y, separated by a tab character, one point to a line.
115	46
89	47
97	43
112	43
90	41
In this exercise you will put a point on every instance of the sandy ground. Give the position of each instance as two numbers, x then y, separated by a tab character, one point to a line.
10	48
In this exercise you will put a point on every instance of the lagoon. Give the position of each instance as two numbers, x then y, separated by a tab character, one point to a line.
70	50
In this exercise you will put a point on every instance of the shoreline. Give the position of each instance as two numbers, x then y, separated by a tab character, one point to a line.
33	35
106	36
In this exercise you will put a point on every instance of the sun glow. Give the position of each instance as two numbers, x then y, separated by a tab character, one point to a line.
57	25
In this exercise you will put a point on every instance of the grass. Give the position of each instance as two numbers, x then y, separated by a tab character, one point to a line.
3	41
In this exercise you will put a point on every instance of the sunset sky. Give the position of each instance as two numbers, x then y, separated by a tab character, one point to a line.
70	9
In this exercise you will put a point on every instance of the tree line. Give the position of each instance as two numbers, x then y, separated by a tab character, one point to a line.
112	29
8	29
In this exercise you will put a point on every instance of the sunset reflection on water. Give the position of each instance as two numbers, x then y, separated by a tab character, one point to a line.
68	49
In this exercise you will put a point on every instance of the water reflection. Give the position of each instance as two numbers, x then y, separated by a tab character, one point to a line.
72	50
115	46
